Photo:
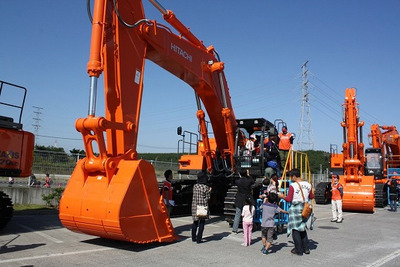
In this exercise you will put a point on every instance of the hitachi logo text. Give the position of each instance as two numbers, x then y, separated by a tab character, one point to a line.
181	52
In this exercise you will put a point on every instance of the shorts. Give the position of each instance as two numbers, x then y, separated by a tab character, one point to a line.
268	233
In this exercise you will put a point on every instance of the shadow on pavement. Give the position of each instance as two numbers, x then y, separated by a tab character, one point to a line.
14	248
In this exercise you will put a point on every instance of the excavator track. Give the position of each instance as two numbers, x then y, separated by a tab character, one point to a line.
381	198
6	209
323	193
229	204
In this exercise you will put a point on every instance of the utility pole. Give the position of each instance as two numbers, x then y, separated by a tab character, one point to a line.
36	122
305	140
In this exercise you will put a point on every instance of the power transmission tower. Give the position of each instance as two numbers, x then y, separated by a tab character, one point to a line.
36	122
305	141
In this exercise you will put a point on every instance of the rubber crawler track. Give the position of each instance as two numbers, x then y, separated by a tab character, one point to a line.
6	209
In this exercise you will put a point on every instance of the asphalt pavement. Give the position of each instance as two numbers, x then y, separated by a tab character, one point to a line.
362	239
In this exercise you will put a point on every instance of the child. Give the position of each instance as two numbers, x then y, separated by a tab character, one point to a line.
268	220
247	214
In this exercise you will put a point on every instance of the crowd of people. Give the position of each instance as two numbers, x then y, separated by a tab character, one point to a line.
275	149
298	193
34	182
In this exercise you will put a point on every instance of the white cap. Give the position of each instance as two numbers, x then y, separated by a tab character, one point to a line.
253	136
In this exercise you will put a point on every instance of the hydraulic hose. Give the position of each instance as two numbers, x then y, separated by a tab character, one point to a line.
125	23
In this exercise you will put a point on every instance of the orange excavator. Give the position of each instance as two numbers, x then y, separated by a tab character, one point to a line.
358	188
111	193
383	159
16	145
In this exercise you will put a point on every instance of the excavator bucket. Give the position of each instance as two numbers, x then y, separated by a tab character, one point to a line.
358	193
125	206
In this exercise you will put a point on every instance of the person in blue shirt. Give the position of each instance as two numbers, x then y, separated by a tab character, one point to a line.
269	208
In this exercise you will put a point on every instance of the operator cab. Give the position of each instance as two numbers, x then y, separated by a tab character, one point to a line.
252	160
374	163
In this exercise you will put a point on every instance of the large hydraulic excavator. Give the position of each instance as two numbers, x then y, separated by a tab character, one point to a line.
359	189
111	193
382	159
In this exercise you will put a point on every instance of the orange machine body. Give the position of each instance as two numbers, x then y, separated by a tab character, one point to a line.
383	159
16	152
16	145
337	161
358	189
196	162
111	193
388	142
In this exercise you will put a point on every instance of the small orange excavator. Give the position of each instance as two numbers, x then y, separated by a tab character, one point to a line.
358	188
111	193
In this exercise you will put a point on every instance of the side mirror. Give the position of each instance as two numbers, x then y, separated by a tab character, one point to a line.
179	130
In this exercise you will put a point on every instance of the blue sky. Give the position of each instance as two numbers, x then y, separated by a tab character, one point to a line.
45	47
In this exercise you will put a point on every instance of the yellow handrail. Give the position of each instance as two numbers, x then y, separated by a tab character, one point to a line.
298	160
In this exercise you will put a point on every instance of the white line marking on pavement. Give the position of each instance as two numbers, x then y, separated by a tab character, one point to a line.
55	240
385	259
55	255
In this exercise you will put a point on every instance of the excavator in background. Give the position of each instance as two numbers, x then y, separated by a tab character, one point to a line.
380	161
359	189
323	194
16	145
383	159
111	193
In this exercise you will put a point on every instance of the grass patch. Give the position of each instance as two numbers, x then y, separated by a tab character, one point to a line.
21	207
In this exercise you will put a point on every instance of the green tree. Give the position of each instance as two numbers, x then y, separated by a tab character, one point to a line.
54	195
318	160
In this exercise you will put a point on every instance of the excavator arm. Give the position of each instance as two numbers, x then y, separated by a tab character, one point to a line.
358	189
110	193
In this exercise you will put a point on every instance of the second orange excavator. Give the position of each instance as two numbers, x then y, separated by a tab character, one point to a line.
383	159
359	189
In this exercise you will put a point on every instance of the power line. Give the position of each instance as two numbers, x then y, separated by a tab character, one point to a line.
58	137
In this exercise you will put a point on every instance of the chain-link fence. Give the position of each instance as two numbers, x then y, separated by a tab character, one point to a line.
54	162
62	164
59	163
317	178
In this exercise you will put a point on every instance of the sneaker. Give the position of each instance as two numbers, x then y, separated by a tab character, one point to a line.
264	251
235	232
243	244
333	220
339	221
307	251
